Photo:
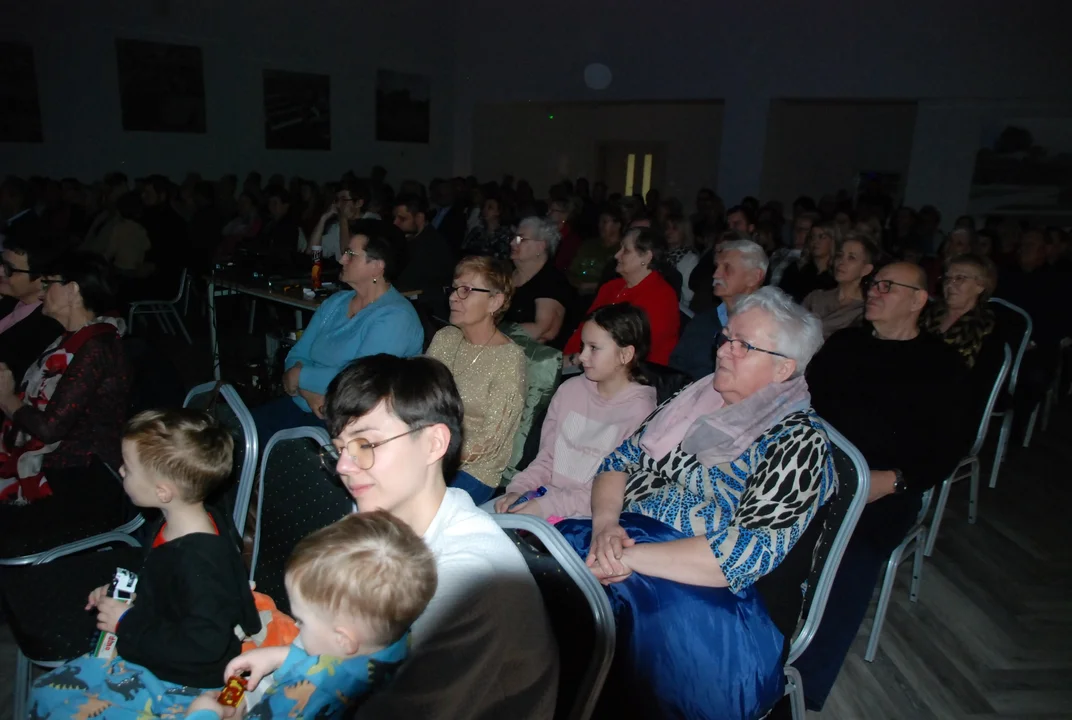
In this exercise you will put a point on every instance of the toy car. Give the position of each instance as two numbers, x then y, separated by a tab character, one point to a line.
232	692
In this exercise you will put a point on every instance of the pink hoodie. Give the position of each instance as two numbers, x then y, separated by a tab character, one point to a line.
580	430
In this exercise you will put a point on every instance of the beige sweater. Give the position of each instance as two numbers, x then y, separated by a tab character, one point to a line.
491	381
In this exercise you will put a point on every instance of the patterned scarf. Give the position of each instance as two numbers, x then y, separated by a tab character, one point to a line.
966	335
22	456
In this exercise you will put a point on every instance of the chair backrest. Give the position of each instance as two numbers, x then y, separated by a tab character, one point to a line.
1016	327
578	608
233	414
666	380
543	374
991	402
844	510
297	496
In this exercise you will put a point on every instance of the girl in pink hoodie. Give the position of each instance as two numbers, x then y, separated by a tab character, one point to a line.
589	416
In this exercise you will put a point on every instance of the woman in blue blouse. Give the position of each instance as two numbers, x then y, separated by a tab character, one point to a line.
371	318
704	522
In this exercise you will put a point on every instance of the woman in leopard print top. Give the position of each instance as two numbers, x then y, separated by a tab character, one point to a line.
704	524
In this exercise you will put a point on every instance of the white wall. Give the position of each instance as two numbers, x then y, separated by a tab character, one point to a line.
816	148
749	53
520	139
74	47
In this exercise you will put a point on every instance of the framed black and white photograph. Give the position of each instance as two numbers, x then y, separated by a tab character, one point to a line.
20	109
402	107
161	86
297	111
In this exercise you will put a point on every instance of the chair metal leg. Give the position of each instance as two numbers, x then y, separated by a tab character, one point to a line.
973	498
186	297
22	683
796	692
162	321
181	324
917	566
252	314
939	510
883	603
1048	402
1003	442
1031	426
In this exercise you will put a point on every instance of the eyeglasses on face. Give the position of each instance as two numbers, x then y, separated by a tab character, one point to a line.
518	239
10	269
958	279
885	286
341	199
360	450
739	348
348	253
463	290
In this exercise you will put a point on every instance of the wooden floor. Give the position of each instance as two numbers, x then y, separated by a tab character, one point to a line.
991	635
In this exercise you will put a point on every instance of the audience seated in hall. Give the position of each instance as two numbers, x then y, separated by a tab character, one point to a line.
429	260
815	268
25	329
279	233
370	318
69	405
543	298
483	648
588	417
356	586
177	636
739	272
901	397
843	306
488	368
642	253
678	520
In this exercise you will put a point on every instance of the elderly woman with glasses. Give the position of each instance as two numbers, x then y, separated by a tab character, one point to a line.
69	406
710	509
542	294
961	317
488	368
371	317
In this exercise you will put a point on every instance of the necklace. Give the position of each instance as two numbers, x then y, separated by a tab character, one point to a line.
462	341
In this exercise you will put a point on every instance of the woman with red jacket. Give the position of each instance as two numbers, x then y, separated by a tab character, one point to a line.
641	285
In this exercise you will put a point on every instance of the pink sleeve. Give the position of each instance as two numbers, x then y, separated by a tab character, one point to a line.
539	471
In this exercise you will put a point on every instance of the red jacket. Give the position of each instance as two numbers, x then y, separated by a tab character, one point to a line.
653	295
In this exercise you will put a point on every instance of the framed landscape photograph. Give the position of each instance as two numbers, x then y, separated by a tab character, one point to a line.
20	108
161	86
402	107
297	111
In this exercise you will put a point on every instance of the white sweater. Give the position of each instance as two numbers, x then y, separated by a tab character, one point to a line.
483	649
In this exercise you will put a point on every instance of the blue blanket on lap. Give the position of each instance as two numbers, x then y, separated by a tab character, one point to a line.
685	651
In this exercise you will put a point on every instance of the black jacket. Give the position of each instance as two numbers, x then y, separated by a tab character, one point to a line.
22	343
191	593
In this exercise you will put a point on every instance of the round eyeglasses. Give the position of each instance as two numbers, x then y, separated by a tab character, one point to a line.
360	450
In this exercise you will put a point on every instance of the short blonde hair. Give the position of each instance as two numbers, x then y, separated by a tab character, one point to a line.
370	566
187	447
496	273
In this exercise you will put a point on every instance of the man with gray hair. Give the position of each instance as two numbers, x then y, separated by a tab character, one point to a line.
740	267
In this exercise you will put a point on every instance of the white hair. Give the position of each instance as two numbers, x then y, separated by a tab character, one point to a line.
799	333
752	253
545	230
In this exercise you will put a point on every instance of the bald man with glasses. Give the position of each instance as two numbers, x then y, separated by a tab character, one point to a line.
900	397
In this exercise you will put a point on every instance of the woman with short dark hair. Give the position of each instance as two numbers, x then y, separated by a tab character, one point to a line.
71	404
370	318
25	330
639	258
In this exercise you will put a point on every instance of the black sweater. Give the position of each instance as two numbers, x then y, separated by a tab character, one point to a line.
904	404
23	342
192	592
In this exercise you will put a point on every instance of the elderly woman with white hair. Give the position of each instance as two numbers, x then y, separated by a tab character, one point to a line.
542	294
704	522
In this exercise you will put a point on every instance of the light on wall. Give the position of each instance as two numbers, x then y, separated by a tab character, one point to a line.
597	76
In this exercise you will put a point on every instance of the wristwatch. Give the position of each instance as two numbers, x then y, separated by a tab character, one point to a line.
899	484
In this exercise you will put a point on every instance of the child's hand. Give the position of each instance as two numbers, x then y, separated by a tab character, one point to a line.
96	596
109	610
258	663
208	701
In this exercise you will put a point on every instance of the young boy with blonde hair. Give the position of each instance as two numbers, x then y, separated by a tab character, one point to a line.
178	634
355	587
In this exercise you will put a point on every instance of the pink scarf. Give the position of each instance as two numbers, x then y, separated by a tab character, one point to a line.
701	422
